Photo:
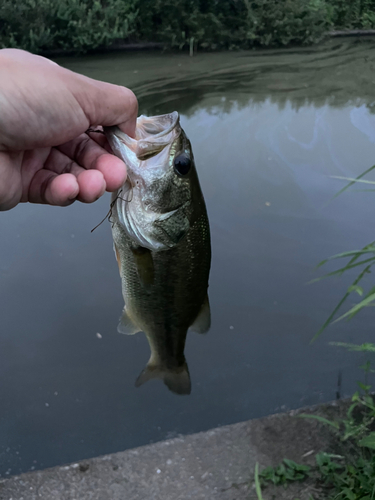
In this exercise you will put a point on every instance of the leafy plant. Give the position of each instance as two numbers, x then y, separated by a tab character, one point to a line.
362	259
232	24
353	14
39	25
349	475
287	472
80	25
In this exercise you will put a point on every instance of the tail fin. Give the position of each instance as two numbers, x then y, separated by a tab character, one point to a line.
177	380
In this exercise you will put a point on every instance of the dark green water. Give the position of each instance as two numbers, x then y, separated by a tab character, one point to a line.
268	129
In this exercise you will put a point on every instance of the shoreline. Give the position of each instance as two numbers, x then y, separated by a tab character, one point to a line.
143	46
213	465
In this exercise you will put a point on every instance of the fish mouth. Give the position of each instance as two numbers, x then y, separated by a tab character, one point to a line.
155	127
152	135
145	224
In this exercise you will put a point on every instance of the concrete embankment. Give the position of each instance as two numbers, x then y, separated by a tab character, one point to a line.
213	465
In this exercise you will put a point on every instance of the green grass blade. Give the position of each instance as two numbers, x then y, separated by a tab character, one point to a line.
368	441
320	419
331	316
343	269
355	309
366	247
353	182
356	288
366	347
257	482
370	248
351	253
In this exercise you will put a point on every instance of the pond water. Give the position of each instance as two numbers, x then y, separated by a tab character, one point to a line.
268	129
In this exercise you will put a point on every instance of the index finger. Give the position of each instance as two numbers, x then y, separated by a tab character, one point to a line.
89	155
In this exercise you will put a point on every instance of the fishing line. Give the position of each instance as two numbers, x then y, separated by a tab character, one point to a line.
109	214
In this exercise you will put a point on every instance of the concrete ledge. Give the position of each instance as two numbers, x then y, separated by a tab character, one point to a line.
212	465
351	33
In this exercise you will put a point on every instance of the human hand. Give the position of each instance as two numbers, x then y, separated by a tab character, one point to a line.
45	154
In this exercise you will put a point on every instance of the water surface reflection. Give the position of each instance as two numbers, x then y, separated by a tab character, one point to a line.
268	128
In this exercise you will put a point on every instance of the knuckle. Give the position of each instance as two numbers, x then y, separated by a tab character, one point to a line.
70	165
9	198
10	182
79	151
43	190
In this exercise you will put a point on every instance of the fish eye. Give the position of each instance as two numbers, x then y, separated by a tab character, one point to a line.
182	164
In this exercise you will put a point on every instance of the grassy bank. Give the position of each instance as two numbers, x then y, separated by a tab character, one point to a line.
81	25
347	471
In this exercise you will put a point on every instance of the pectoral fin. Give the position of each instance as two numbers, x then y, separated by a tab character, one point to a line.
202	322
145	265
126	325
177	381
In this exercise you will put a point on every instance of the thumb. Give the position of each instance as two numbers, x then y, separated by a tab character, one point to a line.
107	104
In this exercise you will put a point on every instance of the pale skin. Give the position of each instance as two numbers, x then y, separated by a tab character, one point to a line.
45	154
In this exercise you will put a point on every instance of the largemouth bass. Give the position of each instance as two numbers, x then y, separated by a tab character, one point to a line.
162	243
